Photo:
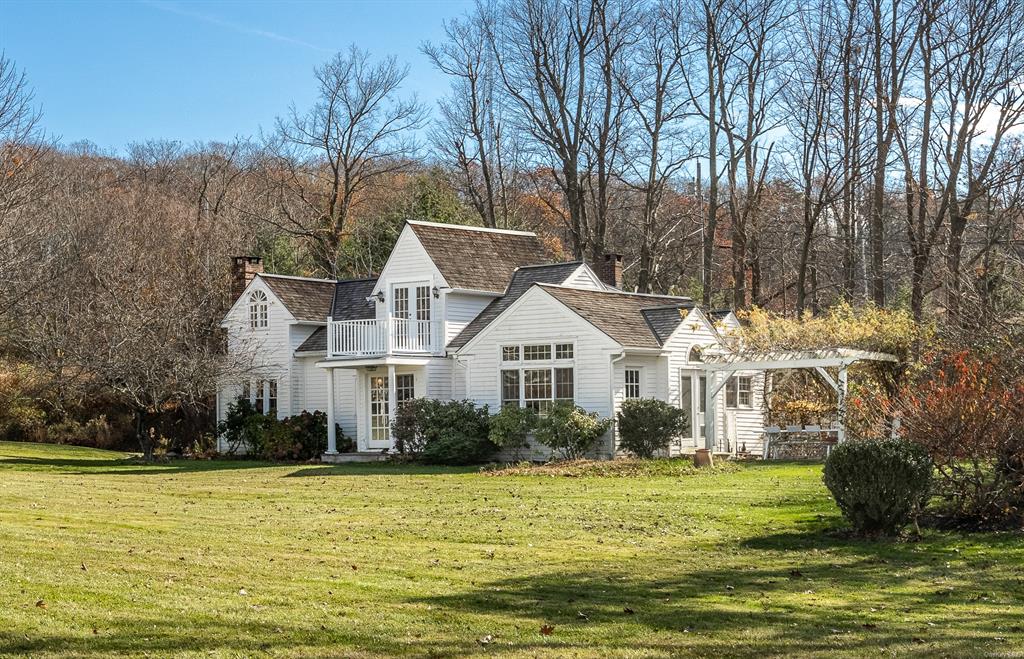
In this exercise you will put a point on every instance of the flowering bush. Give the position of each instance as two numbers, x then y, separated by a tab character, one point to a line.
570	431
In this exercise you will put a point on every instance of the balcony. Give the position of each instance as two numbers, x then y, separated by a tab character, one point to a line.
376	338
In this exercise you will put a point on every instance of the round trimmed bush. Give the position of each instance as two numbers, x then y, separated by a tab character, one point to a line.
879	485
570	431
648	425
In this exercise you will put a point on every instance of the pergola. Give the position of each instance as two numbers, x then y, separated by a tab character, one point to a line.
720	366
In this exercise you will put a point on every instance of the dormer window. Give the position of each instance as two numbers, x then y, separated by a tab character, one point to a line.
258	318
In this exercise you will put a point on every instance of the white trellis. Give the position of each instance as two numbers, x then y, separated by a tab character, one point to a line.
720	366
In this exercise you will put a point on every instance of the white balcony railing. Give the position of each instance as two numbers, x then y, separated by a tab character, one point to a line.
369	338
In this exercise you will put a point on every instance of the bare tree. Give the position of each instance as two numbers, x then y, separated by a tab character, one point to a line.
661	142
473	134
24	177
321	159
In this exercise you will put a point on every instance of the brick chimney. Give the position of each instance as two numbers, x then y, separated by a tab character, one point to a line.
610	270
243	270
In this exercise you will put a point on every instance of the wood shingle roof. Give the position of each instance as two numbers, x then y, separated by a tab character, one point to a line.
476	258
631	319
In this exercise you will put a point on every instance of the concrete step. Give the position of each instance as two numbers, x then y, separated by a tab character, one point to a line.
361	456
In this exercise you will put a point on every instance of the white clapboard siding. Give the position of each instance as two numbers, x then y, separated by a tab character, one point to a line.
538	318
408	262
584	277
460	309
266	353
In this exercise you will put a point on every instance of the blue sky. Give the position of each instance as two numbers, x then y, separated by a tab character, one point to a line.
118	72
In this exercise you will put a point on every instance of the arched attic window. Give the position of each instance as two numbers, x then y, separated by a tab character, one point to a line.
696	355
258	317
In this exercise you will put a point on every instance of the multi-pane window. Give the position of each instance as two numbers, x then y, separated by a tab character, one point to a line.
261	394
510	388
271	395
405	389
258	310
535	385
739	391
539	352
564	386
537	390
632	383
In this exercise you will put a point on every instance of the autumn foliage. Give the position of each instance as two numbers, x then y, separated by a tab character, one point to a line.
967	410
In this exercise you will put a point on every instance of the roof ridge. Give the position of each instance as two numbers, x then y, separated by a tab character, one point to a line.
548	265
352	281
467	227
615	291
317	279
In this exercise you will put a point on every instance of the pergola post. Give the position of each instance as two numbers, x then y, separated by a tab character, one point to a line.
710	393
841	392
332	440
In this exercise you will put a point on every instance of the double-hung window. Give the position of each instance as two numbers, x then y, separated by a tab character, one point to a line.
632	379
537	375
739	392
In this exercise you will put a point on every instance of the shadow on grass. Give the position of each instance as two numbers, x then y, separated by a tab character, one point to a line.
379	469
798	604
131	465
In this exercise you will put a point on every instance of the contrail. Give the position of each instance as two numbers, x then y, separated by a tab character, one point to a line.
243	29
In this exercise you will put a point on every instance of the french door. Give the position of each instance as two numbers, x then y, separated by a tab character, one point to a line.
380	405
411	310
692	389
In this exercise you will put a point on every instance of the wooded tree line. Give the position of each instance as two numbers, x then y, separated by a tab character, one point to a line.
772	153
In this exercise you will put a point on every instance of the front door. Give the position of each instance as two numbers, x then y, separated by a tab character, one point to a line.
380	417
380	409
411	311
692	390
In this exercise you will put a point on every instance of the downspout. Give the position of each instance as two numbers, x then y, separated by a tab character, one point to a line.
460	362
612	361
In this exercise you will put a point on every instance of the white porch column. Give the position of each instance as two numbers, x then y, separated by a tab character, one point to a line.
842	391
710	394
392	395
332	440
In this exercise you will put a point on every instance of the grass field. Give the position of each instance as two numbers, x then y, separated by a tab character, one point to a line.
101	556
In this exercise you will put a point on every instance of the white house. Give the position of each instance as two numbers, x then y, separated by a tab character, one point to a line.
471	313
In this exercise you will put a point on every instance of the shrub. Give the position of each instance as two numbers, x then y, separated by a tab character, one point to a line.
967	411
243	427
299	437
647	425
879	485
570	431
443	432
511	426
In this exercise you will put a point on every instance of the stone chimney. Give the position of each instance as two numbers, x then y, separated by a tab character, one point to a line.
243	270
610	270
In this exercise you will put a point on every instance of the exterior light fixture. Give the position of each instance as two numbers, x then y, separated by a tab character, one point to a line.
436	291
380	296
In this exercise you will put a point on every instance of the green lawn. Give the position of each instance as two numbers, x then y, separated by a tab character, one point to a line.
100	556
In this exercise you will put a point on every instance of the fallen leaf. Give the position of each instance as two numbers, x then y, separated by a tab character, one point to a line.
869	625
582	616
242	592
628	611
547	630
41	604
486	640
84	569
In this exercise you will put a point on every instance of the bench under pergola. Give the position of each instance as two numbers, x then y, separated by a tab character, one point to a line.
719	366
